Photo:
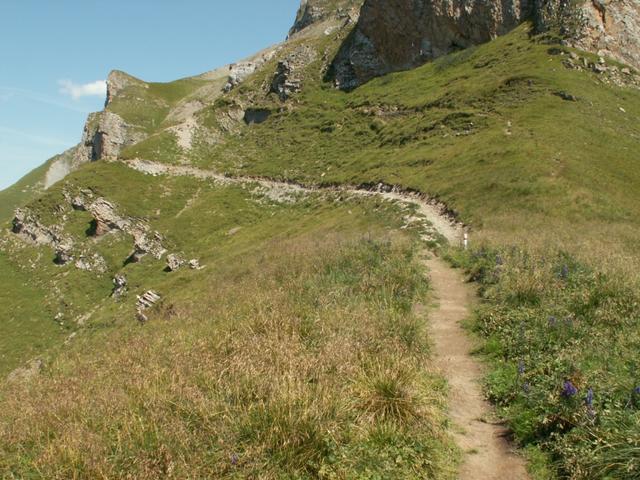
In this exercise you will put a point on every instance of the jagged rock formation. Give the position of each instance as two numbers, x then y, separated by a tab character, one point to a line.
105	134
107	219
393	35
117	82
289	73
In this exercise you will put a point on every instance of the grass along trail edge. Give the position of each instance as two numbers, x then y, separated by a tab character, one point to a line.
435	212
487	453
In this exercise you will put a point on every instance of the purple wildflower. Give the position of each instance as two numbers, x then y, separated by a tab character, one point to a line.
553	321
521	367
526	387
569	389
234	459
564	272
588	400
636	391
499	260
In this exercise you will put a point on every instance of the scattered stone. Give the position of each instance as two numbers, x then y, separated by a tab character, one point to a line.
598	68
622	110
119	286
566	96
626	71
233	231
194	264
29	228
174	262
148	300
63	255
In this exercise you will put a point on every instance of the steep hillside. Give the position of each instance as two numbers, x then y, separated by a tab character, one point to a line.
235	256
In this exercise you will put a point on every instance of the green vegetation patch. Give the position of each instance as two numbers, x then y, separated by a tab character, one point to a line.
563	343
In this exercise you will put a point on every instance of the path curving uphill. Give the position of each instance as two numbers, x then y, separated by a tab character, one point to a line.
487	454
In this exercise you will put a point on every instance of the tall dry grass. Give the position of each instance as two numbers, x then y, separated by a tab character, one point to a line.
304	361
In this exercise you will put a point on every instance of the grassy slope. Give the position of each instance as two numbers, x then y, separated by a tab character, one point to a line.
23	191
295	350
445	133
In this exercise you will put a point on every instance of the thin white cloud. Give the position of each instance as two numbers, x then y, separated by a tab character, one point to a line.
38	97
39	139
77	91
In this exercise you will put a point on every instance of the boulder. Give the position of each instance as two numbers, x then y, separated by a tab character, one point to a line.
174	262
119	286
146	301
288	76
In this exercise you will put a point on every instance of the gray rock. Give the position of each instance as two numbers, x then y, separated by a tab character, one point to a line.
287	79
119	286
174	262
63	255
194	264
146	301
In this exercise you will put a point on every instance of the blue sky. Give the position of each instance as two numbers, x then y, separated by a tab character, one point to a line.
54	54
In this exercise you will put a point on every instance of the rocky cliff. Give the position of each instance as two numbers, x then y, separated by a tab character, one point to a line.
393	35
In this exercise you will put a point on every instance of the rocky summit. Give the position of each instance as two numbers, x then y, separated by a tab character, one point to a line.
262	271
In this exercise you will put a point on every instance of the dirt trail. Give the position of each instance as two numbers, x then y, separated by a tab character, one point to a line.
487	453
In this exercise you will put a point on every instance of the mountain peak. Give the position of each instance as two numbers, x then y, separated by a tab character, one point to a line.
312	12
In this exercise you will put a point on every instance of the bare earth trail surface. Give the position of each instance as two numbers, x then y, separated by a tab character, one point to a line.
487	453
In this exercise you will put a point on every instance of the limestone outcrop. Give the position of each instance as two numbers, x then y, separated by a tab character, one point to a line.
612	29
288	77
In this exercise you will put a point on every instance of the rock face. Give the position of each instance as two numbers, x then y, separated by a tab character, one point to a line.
287	79
105	134
612	28
393	35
